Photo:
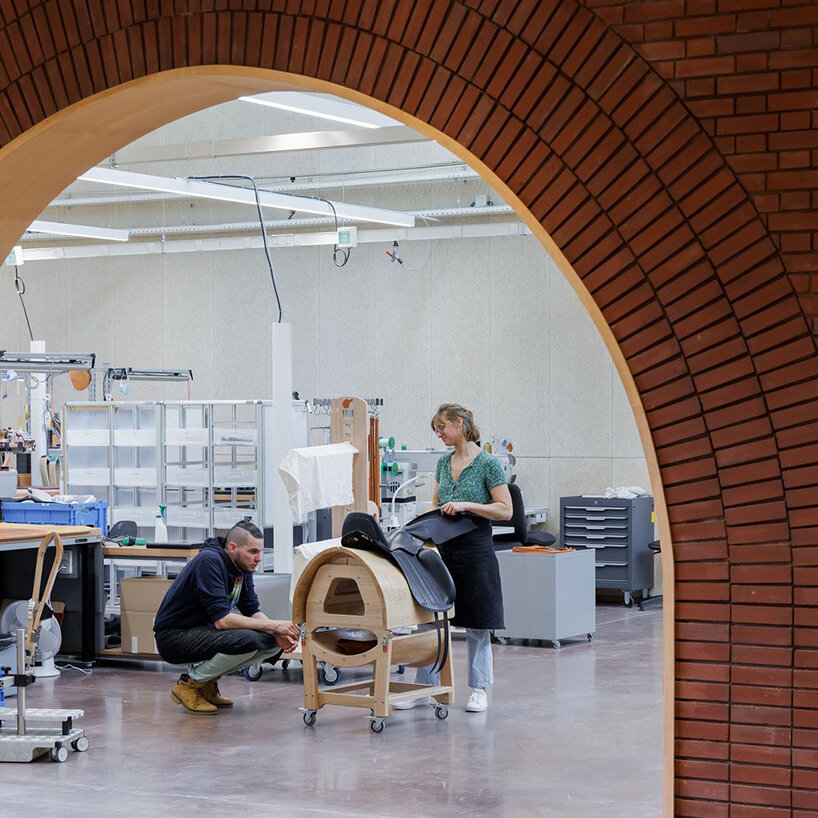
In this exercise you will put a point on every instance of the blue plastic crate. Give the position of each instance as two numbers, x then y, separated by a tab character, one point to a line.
94	514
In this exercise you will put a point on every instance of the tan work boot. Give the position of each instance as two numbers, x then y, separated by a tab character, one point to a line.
189	694
210	692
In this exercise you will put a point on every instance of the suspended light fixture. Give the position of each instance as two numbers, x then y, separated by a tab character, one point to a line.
241	195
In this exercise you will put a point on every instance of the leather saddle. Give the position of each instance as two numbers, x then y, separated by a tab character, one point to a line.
426	574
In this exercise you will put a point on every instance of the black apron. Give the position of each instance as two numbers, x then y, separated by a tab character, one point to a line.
473	565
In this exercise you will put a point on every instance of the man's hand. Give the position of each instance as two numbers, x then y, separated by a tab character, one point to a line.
286	634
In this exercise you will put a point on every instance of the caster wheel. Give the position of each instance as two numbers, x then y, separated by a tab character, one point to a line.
81	744
441	713
377	725
59	754
330	675
285	664
556	644
253	673
309	718
590	637
401	669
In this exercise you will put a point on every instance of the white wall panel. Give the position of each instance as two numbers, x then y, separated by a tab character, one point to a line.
460	327
346	324
190	322
581	372
519	344
241	334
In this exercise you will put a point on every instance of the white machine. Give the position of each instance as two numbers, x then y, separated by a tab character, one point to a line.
403	471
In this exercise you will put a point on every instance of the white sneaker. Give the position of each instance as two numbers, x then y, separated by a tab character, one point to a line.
412	703
478	701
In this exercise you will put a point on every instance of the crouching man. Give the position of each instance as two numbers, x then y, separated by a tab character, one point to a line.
210	619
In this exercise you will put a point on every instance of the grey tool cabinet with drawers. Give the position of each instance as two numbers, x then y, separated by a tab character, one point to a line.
619	531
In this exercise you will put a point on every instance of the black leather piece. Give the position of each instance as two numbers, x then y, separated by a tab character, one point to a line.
360	521
401	540
428	578
440	528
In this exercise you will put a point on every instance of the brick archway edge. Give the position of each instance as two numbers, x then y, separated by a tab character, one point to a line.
617	129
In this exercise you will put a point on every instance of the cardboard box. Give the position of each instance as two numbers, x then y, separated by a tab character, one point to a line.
140	598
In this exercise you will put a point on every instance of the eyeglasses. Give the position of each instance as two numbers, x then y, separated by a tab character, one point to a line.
439	429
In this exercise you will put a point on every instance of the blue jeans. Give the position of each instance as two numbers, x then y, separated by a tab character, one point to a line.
481	667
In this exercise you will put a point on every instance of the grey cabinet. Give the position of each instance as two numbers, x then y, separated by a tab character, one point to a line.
619	532
547	596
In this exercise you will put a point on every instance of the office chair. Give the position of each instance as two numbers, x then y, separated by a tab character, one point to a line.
520	535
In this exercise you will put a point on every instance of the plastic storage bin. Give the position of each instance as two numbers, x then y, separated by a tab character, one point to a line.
94	514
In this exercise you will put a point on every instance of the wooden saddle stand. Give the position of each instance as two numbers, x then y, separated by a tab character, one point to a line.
364	589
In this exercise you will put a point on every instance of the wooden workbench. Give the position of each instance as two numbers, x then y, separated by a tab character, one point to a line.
11	533
143	552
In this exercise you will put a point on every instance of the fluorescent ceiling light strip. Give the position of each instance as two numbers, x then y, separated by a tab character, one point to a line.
381	235
82	231
257	145
323	108
240	195
398	176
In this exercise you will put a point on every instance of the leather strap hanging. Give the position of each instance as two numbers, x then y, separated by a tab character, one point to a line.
39	598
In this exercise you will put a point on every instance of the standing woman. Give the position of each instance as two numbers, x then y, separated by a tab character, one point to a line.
470	480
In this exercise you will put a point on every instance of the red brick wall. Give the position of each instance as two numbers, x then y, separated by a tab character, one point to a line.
748	70
684	200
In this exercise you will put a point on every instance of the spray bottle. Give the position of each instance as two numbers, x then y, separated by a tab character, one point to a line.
160	529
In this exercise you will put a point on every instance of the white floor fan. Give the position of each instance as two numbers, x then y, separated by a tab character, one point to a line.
46	642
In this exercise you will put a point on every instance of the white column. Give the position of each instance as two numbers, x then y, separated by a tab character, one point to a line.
37	397
281	443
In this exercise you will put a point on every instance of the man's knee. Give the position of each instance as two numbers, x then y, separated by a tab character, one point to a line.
244	641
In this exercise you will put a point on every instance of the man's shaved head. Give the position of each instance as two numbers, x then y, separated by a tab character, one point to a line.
243	533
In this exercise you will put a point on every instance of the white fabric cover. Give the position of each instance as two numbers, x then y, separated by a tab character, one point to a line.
318	477
623	492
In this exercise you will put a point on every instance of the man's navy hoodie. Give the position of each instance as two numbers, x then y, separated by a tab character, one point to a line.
200	594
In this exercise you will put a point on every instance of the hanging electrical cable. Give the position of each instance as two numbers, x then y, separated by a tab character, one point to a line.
337	252
393	255
252	181
20	287
341	253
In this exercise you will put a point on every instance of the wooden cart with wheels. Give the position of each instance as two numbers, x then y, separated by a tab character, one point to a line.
343	589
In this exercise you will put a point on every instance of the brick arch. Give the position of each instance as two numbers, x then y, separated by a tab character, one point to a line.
658	234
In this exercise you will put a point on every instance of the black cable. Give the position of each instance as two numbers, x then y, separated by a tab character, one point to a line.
260	221
20	287
336	250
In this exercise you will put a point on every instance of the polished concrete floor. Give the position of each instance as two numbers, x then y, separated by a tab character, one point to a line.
573	733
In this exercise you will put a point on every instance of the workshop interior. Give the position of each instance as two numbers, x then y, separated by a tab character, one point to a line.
252	314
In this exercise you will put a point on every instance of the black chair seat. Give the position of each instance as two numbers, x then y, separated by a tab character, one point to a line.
521	535
540	538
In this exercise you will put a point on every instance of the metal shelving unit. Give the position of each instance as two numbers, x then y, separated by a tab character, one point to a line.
206	461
